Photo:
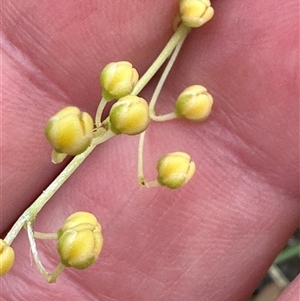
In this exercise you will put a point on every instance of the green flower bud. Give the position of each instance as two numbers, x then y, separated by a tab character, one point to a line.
118	79
7	257
194	103
79	240
195	13
175	170
129	115
70	131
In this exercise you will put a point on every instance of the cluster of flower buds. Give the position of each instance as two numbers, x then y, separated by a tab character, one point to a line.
176	169
72	131
130	114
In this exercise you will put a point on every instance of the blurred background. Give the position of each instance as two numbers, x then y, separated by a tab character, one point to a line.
284	269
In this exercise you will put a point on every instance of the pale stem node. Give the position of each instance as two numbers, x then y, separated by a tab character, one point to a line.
50	277
106	136
98	132
99	112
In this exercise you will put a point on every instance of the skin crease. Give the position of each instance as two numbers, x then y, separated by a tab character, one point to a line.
213	239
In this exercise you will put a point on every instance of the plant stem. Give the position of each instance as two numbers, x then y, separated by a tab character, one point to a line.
164	77
50	277
99	112
45	236
172	115
162	118
141	178
278	277
30	213
180	33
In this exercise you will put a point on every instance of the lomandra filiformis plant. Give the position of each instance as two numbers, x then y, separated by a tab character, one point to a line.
73	132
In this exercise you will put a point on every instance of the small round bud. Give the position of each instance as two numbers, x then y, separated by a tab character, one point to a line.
175	169
194	103
70	131
118	79
129	115
195	13
7	257
79	240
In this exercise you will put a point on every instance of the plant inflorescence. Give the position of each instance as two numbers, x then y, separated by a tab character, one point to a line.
73	132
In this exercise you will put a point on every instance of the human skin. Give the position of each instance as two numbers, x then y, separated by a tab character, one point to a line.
213	239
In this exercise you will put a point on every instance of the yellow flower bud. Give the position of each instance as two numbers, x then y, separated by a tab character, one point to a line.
129	115
195	13
80	240
70	131
194	103
118	79
175	169
7	257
